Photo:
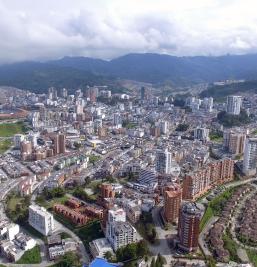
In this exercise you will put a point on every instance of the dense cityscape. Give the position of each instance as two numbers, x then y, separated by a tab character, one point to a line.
134	179
128	133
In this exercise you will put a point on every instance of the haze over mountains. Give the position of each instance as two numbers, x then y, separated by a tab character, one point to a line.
72	72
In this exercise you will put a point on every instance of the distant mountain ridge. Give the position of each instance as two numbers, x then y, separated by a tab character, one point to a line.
157	68
73	72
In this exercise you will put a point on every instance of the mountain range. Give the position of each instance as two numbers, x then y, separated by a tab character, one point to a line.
73	72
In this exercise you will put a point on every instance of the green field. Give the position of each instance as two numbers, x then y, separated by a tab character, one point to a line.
89	232
5	145
9	129
31	256
48	204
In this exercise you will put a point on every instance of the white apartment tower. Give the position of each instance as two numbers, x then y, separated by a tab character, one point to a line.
201	134
117	120
119	232
164	125
250	156
116	215
41	220
234	104
163	161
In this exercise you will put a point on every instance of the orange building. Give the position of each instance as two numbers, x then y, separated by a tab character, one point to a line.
189	227
107	191
197	183
70	214
172	202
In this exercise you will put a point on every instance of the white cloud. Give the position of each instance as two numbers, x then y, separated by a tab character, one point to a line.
41	30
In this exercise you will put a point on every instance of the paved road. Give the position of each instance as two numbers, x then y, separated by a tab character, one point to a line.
61	228
203	235
163	247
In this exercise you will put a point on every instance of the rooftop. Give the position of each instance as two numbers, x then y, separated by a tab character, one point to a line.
100	263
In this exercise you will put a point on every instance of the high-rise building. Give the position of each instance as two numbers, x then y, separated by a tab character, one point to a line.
107	191
208	104
55	140
59	143
50	93
155	131
172	202
62	143
198	182
17	139
201	134
163	161
118	231
117	120
234	142
234	104
142	93
116	215
164	125
41	220
92	93
120	234
188	227
64	93
148	177
80	106
250	156
26	150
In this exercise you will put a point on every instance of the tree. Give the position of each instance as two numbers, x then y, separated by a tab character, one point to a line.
108	255
69	259
160	261
87	180
152	263
77	145
182	127
142	248
131	176
132	251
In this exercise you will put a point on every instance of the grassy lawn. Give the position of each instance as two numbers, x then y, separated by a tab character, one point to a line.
9	129
17	207
31	256
252	255
65	235
48	204
206	217
5	145
89	232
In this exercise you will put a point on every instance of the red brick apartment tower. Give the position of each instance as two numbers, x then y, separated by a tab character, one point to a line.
172	202
188	227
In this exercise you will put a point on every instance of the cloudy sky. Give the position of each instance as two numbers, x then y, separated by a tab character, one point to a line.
49	29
